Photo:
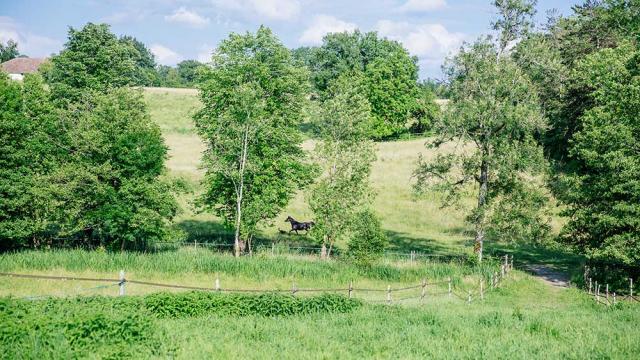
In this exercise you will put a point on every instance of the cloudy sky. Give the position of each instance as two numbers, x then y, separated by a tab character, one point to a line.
189	29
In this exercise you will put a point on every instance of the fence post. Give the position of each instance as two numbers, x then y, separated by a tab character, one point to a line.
423	293
607	292
631	288
506	260
273	249
481	289
469	298
388	294
511	267
449	286
614	298
502	271
590	286
350	289
217	283
122	281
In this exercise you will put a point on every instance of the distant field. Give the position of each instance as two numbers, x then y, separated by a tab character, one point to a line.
412	224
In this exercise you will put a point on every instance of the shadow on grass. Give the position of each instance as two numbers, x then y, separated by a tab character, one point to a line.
404	243
552	257
215	232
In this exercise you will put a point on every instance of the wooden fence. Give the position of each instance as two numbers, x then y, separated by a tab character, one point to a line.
389	295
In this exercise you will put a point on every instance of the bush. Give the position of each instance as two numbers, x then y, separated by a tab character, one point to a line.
78	328
368	240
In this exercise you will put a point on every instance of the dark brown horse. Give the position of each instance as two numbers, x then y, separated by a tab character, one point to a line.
297	225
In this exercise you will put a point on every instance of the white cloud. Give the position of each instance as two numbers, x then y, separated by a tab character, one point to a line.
204	55
190	18
164	55
271	9
427	41
30	44
322	25
422	5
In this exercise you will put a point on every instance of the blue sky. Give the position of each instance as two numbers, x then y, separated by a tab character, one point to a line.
189	29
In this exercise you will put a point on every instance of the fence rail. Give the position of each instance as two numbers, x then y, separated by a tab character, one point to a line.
389	292
273	249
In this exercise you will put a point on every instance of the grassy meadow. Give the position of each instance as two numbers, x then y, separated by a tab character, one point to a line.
522	318
412	224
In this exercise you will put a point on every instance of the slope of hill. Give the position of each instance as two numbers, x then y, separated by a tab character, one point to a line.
412	224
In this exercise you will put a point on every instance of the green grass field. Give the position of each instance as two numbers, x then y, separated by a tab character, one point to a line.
523	318
412	224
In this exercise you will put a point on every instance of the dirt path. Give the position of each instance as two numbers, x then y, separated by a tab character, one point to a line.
549	275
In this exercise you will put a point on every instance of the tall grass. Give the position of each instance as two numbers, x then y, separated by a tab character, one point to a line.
204	261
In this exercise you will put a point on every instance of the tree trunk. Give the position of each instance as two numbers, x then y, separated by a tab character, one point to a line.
323	251
482	201
243	161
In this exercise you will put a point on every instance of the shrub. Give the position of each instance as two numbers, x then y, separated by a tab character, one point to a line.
368	240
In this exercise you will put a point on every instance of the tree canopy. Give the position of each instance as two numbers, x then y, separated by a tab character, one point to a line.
602	189
252	95
390	75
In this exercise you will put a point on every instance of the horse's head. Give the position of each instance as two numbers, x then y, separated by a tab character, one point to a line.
289	219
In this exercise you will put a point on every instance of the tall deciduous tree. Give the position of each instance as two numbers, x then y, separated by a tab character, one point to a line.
93	59
390	75
27	156
252	96
494	116
345	156
602	189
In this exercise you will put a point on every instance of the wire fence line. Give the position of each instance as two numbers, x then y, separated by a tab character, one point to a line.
274	249
425	288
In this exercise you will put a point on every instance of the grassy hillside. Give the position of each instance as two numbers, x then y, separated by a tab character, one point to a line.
412	224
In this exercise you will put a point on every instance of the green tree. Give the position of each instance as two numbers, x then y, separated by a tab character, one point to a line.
8	51
602	189
93	59
389	71
426	111
146	74
188	70
345	156
27	155
494	116
550	56
252	96
168	77
111	183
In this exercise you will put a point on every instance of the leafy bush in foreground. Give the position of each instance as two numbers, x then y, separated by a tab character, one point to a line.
124	327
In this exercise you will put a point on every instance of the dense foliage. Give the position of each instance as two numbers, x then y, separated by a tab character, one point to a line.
28	124
389	75
83	160
8	51
368	240
252	96
602	189
345	157
128	327
584	69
